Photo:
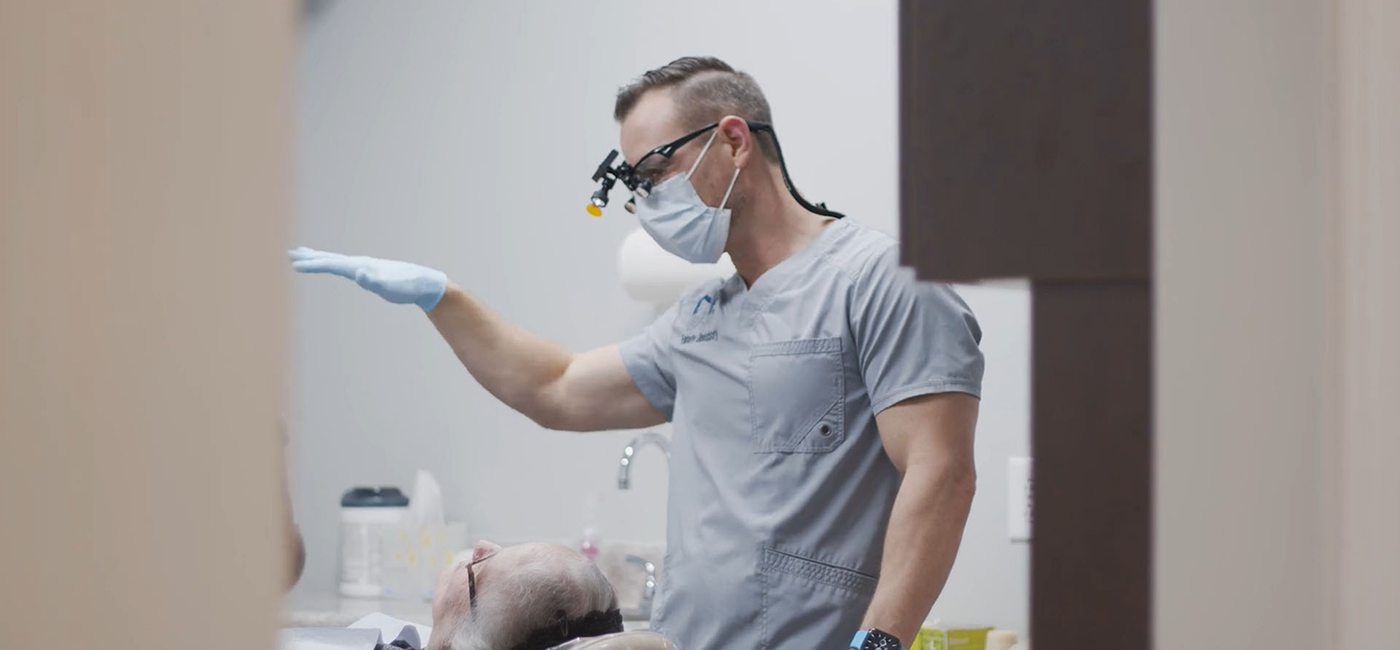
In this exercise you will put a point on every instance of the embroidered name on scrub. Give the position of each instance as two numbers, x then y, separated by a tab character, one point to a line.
700	338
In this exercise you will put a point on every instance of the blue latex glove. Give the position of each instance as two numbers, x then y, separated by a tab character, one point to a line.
398	282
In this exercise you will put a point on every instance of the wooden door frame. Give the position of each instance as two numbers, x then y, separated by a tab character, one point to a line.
964	165
1026	152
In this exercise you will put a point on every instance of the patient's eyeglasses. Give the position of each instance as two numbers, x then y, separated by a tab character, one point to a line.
471	580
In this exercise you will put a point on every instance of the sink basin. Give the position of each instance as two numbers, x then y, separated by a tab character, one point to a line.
629	625
629	579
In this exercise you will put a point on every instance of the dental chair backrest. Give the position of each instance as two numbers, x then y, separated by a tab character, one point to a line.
634	640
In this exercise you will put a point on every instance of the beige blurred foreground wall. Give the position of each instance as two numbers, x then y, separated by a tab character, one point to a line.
1278	303
144	175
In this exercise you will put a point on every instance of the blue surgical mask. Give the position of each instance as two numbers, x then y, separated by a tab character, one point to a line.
673	214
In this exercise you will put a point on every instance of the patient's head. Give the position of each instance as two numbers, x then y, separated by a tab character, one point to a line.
526	596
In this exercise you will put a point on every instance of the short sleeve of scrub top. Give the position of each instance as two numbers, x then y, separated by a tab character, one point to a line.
648	361
912	338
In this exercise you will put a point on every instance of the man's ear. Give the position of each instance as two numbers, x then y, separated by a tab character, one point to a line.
735	133
484	548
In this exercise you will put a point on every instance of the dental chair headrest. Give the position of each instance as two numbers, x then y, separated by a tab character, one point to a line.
634	640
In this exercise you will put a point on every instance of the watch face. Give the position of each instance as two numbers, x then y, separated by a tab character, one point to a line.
877	640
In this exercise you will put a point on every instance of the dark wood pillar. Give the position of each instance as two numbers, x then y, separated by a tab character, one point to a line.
1026	137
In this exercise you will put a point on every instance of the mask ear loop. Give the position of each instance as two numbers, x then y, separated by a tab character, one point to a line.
733	178
702	154
700	157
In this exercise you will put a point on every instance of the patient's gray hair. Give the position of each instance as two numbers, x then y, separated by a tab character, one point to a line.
536	592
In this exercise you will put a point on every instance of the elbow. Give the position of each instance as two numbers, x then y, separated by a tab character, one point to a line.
957	486
959	481
555	407
545	413
548	409
540	403
946	481
550	420
965	485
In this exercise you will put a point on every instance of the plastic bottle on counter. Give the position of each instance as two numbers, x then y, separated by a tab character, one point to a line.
590	544
592	537
366	515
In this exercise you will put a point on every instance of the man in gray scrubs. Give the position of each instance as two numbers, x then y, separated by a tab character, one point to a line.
823	402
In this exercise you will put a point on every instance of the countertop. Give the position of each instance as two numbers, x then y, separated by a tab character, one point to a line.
333	610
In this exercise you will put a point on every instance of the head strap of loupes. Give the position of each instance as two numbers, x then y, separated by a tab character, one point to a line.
608	174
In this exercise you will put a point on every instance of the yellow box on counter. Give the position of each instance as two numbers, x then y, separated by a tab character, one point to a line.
951	638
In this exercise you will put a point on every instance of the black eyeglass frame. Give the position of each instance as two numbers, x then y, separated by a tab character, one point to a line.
471	580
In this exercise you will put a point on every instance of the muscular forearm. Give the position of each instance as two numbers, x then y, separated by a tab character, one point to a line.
924	533
512	364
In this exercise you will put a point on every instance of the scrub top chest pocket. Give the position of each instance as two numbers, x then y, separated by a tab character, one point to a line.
797	396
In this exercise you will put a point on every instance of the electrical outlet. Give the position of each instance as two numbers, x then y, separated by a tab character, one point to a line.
1020	498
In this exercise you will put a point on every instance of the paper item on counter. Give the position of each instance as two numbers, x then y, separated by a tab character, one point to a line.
367	633
392	629
327	638
415	552
425	509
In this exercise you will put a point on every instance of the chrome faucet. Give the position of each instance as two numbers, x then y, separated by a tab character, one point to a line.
643	610
624	472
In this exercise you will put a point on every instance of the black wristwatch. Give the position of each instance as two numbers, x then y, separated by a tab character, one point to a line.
873	639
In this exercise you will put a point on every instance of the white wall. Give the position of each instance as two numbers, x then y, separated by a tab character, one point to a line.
462	135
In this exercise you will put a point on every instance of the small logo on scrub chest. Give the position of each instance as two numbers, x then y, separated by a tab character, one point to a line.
705	301
702	313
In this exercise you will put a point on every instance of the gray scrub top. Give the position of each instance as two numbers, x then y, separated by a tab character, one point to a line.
780	489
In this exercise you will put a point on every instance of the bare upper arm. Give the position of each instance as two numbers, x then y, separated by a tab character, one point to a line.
930	429
596	392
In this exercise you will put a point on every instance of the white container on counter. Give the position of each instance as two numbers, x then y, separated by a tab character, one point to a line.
367	514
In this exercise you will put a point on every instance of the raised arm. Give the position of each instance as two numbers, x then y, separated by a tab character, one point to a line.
556	388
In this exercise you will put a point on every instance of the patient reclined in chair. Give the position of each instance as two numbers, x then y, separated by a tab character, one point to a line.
528	597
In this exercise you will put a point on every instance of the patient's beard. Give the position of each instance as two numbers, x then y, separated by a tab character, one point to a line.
471	633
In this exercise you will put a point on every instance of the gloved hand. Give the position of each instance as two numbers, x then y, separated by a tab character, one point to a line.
398	282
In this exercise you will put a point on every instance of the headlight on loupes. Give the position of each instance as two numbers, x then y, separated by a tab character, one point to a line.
608	175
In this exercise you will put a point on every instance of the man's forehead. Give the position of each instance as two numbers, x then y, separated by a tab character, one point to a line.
651	124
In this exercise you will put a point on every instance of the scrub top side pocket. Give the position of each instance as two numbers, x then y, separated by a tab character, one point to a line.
797	396
809	603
